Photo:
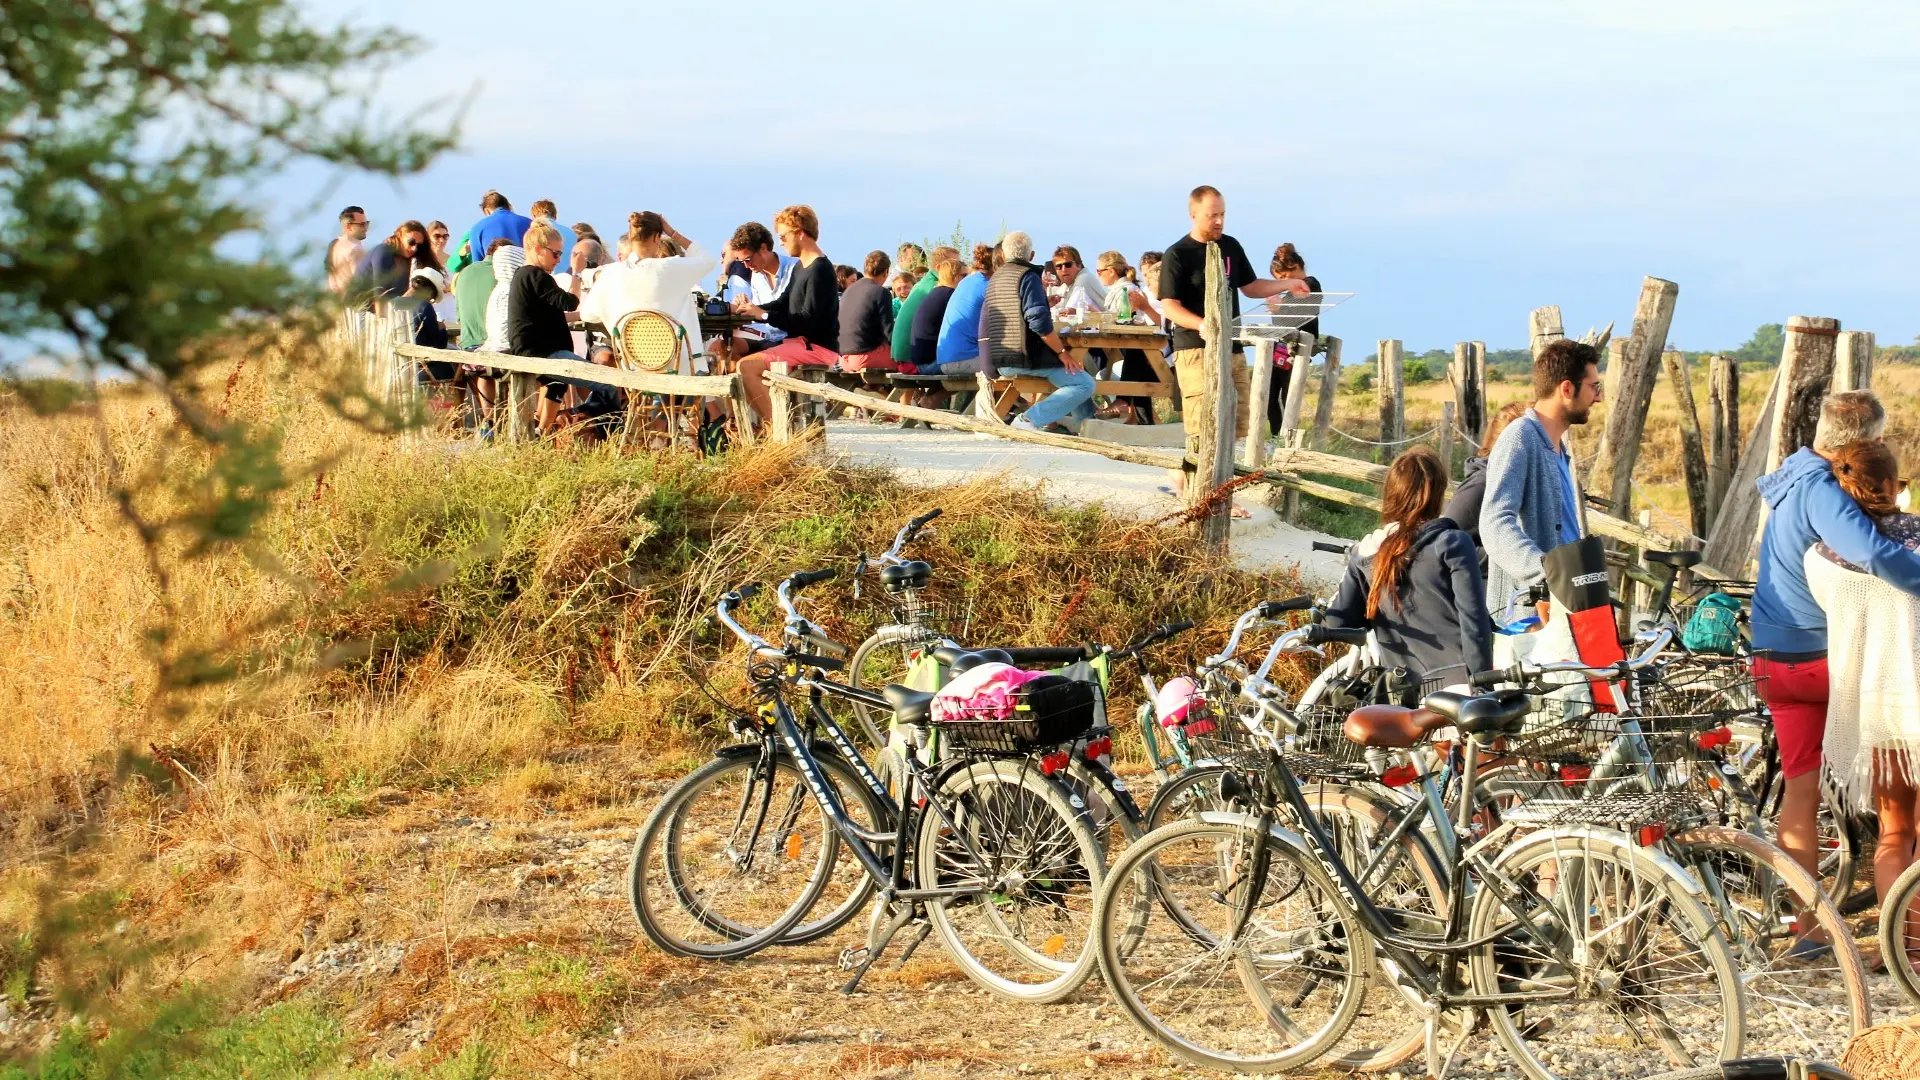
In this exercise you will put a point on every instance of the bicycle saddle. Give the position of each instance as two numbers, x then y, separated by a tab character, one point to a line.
1503	712
1390	727
1679	560
907	575
958	658
910	706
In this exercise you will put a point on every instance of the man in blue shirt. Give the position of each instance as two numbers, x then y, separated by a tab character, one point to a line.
499	221
958	350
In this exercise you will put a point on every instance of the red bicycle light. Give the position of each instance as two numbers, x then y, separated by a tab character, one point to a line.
1575	774
1650	835
1098	748
1054	762
1199	727
1719	736
1400	776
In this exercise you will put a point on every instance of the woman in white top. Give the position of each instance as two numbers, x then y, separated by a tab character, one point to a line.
1872	741
505	263
659	272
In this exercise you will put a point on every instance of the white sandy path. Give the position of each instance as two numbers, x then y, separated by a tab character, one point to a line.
920	456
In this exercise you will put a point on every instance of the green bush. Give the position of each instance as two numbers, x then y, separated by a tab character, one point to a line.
1416	372
1361	383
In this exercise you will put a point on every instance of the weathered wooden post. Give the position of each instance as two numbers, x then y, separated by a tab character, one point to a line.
1736	525
1723	430
1627	415
1853	361
742	412
1806	370
1693	454
1610	378
519	395
1259	386
781	401
1390	385
1210	434
1446	437
1544	326
1329	391
1468	374
1290	426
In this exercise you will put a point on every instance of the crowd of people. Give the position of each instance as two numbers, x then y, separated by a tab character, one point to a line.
514	284
1834	619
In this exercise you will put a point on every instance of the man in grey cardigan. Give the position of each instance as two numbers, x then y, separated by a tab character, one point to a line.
1532	503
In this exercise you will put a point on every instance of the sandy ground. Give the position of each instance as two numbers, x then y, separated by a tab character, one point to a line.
1262	542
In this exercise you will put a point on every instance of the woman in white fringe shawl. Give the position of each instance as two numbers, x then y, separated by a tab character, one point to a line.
1871	753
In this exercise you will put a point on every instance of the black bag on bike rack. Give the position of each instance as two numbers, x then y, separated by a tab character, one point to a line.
1049	711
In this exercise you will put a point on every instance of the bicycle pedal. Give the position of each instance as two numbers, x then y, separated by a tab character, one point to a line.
852	956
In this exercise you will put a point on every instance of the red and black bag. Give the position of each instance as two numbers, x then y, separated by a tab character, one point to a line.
1577	580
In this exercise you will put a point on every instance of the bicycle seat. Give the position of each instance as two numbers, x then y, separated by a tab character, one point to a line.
910	706
958	658
1391	727
1501	713
1679	560
907	575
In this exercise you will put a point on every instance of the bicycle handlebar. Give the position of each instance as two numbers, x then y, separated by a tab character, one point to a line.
1321	634
1331	548
812	577
1273	609
1655	641
1151	638
913	527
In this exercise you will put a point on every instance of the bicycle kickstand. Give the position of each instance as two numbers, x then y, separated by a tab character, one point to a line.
901	918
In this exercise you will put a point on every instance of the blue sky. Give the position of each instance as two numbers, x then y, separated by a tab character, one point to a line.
1454	164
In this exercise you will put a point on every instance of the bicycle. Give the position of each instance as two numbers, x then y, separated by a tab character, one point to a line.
1234	897
888	654
986	849
1900	932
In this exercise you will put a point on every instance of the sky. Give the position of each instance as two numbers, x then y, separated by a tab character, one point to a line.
1453	164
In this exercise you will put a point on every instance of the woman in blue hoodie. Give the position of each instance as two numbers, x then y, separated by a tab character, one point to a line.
1415	582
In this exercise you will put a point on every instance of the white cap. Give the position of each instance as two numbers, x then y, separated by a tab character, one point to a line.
434	278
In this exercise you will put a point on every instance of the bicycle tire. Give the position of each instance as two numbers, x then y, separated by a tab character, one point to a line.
653	884
1785	1014
857	883
1215	1024
1040	852
1193	790
872	722
1616	886
1902	906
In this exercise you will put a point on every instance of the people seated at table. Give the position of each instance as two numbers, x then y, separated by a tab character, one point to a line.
537	309
659	273
545	213
756	272
425	288
1289	263
901	286
924	283
924	340
1017	338
958	350
808	311
866	319
473	291
1132	365
383	271
844	275
1080	292
497	220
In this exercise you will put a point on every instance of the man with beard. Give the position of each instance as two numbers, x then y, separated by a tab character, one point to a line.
1532	503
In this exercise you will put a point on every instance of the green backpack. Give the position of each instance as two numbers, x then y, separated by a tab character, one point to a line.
1714	626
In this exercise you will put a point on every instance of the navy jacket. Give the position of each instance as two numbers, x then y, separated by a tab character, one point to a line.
1440	628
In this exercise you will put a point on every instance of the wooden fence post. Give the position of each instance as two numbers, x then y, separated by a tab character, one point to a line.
1210	434
781	401
1389	382
1446	437
1329	391
1693	454
1296	397
1853	361
1258	388
1723	430
1468	374
1806	370
1544	326
1736	525
1627	414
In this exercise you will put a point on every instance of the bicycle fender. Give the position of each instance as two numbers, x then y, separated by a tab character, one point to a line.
1614	838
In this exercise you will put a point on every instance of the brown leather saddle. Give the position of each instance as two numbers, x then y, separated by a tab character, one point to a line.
1394	727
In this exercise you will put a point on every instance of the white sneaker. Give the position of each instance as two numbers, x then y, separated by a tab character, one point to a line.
1022	423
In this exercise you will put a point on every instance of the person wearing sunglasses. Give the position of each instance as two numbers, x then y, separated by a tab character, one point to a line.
537	308
383	271
344	252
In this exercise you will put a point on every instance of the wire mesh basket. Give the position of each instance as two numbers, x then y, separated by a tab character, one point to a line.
1321	746
1627	811
1048	712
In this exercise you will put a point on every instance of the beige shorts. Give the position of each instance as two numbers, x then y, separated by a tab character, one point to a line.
1187	367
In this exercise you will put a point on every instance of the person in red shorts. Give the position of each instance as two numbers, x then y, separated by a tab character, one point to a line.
1807	506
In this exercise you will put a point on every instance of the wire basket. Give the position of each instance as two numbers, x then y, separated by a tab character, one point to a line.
1627	811
1321	736
942	616
1046	713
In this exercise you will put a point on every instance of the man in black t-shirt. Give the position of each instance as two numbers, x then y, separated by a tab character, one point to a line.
1183	300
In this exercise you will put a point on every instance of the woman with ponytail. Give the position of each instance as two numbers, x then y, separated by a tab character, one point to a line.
1415	581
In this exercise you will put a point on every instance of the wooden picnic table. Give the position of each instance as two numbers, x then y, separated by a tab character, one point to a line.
1007	391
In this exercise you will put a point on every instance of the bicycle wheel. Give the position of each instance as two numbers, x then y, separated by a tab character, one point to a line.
1900	932
1016	836
1803	1008
1648	984
731	859
1193	791
881	659
849	886
1274	996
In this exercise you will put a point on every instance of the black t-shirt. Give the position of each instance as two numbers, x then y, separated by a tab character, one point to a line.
810	308
926	327
537	313
866	317
1183	277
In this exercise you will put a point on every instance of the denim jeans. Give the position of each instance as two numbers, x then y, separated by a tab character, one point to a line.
1072	395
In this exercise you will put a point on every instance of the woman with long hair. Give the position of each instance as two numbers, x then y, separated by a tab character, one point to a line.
1464	507
1871	747
1289	263
1415	581
384	270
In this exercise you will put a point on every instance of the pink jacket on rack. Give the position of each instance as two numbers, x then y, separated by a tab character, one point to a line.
986	692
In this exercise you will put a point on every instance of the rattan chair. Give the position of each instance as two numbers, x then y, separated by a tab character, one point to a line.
655	344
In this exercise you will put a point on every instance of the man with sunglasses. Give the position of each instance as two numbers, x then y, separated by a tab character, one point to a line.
343	254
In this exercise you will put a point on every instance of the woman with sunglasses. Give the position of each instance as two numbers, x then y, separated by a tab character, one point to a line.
1120	282
1871	747
384	270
